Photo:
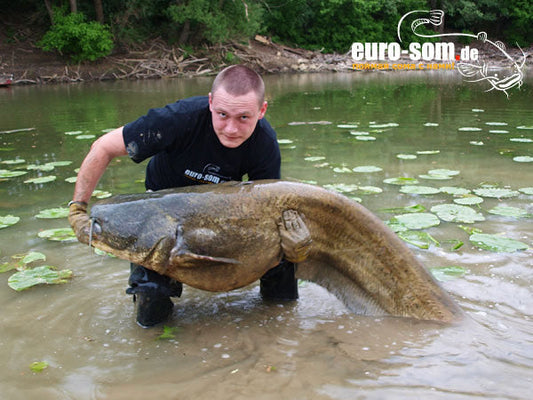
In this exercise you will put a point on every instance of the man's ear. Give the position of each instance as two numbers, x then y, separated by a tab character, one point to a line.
210	102
263	110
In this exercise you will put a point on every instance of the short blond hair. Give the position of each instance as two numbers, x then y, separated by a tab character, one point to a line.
239	80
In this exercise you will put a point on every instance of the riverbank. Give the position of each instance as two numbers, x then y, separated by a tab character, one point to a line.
156	59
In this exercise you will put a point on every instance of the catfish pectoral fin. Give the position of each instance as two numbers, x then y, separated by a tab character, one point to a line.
295	237
192	260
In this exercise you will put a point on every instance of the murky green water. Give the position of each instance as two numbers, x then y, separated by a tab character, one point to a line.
232	345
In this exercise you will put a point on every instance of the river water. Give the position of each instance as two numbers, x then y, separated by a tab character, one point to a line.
233	345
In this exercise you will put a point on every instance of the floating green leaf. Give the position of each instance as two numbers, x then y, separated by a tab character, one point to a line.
314	158
431	124
435	177
45	274
365	138
8	220
101	194
456	191
388	125
415	220
508	211
342	170
58	234
14	161
496	123
443	171
476	143
526	190
468	200
457	213
369	190
417	208
523	159
347	126
73	133
169	332
71	179
406	156
60	212
498	131
285	141
59	163
401	181
447	273
32	257
477	110
42	179
342	187
524	127
419	239
84	137
469	129
413	189
4	173
521	140
359	133
497	243
38	366
428	152
498	193
367	168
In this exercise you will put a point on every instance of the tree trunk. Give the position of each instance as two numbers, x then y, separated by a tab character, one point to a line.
99	9
73	6
48	5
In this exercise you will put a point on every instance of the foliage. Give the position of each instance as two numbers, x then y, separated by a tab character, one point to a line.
73	36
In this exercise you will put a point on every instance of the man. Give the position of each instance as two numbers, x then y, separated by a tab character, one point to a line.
199	140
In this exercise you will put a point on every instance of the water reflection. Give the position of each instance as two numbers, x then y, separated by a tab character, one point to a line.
233	345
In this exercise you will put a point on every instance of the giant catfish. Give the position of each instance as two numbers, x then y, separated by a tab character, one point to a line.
226	236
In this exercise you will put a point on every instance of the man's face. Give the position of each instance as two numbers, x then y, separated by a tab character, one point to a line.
234	117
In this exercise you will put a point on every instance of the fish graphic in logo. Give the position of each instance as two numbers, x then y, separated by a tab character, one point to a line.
501	79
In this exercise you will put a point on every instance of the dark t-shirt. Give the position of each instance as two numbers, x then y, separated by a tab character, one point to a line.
186	151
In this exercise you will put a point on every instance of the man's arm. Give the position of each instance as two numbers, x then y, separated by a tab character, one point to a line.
102	151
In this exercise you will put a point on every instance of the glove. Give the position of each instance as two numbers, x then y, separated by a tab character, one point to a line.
79	220
295	237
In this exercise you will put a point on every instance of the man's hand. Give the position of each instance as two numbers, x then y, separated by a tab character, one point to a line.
295	237
79	220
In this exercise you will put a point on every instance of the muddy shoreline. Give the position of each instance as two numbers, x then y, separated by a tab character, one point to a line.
155	60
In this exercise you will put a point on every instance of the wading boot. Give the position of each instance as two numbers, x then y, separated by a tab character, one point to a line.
151	295
279	283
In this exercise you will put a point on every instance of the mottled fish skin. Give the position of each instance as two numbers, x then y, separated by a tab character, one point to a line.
226	236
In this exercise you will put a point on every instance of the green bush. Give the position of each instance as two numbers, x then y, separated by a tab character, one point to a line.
73	36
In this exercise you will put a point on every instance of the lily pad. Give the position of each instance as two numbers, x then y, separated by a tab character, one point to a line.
4	173
419	239
526	190
71	179
407	156
45	274
41	179
456	191
417	208
469	200
521	140
347	126
59	163
85	137
525	127
401	181
497	193
431	124
476	143
285	141
342	170
369	190
101	194
447	273
523	159
38	366
8	220
367	168
508	211
365	138
457	213
415	220
387	125
314	158
58	234
498	131
359	133
14	161
73	133
469	129
443	171
428	152
414	189
497	243
435	177
477	110
342	187
496	123
40	167
60	212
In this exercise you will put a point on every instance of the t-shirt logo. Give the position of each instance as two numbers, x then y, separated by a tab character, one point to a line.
210	174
